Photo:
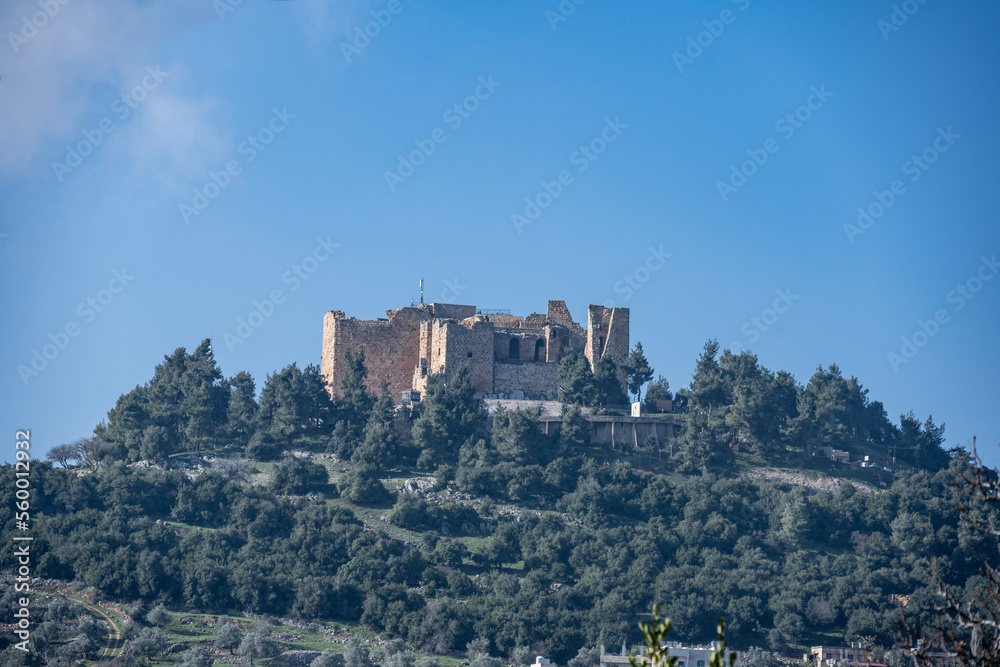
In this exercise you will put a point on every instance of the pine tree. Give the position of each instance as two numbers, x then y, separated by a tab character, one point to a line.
637	370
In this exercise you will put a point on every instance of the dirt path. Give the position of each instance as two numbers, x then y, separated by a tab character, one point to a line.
114	635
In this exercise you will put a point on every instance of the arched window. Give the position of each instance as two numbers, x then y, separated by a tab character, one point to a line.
540	349
515	348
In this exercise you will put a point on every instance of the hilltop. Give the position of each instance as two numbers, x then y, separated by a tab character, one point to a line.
440	526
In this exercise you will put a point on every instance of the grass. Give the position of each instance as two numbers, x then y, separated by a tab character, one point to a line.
193	629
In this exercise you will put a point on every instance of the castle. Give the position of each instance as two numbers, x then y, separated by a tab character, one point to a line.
508	356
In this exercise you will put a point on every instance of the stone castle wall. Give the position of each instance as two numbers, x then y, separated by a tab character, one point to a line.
410	344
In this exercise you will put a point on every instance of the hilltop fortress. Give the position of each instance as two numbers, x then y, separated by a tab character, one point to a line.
508	356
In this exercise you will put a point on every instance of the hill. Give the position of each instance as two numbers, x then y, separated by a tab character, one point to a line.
445	526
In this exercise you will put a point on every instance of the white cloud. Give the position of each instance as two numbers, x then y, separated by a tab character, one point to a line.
64	78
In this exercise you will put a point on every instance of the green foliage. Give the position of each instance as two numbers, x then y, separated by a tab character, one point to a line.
299	476
659	389
356	653
242	411
574	433
607	386
708	389
294	402
701	446
380	448
328	659
576	380
758	657
254	645
158	616
655	633
594	543
361	485
450	415
149	643
637	370
197	656
228	636
355	402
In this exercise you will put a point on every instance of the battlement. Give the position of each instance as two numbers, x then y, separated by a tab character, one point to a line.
508	356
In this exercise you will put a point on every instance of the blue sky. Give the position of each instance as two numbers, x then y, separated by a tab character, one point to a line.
711	154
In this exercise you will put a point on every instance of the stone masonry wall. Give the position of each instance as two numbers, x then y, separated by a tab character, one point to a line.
395	345
525	380
469	343
391	348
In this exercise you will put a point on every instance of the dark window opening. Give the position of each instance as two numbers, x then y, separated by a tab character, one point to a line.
600	345
539	350
515	348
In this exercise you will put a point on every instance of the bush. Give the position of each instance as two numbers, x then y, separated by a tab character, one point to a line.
299	476
159	616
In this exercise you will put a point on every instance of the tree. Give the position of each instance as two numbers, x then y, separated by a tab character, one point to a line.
158	443
637	370
576	380
520	656
78	649
356	653
126	422
587	656
516	436
158	616
606	383
197	657
150	642
379	448
361	485
253	646
758	657
658	390
450	415
708	389
205	397
299	476
961	621
355	401
63	454
328	659
242	411
294	401
228	637
574	433
700	447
